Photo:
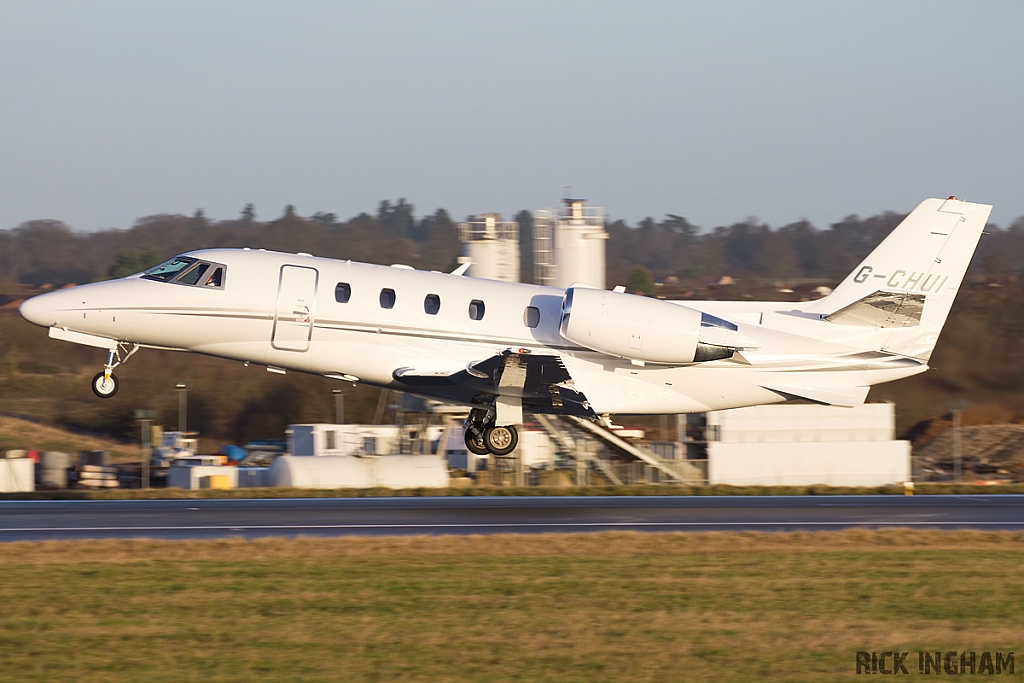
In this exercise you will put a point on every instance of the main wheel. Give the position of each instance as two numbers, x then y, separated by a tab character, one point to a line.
501	440
103	387
475	443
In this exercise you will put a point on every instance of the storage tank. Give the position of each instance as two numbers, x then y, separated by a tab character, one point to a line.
52	469
346	471
324	472
569	245
492	246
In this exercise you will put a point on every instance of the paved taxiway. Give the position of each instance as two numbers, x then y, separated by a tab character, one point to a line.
40	520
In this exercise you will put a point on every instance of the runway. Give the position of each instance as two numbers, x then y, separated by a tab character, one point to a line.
253	518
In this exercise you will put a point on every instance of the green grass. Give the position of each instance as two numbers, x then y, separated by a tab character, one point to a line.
594	607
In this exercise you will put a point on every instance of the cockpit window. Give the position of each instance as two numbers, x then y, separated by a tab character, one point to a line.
184	270
217	278
167	270
194	274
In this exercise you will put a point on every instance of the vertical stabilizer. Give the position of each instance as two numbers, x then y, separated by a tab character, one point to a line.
908	283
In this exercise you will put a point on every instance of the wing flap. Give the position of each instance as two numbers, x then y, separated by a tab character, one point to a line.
829	395
541	383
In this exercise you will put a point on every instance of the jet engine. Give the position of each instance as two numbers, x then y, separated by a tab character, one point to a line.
647	330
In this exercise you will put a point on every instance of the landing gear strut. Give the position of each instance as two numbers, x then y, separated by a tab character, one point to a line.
105	384
483	437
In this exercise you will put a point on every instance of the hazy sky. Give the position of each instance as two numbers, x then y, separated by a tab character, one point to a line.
716	111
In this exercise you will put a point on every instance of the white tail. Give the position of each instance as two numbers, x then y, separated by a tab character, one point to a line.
909	281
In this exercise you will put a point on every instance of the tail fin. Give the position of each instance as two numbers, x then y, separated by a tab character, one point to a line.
909	281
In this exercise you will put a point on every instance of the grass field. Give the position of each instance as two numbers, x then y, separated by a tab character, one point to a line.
19	433
593	607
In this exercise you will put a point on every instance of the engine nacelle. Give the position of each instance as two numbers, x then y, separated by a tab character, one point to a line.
646	330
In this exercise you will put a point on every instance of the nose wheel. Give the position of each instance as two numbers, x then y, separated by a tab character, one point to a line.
104	385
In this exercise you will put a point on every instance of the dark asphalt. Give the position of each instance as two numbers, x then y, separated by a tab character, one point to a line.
41	520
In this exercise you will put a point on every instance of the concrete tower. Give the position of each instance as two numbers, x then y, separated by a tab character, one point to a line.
492	246
569	245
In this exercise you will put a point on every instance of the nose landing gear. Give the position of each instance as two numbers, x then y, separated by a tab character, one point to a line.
105	384
483	437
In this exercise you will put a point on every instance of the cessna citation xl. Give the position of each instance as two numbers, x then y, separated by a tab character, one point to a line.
503	348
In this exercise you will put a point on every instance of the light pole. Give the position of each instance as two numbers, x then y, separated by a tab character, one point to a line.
145	418
339	406
956	407
182	406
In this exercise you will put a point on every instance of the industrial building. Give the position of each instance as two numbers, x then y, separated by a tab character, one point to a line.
568	246
777	445
773	445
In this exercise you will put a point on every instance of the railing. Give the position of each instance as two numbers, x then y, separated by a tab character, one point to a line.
688	472
489	230
584	215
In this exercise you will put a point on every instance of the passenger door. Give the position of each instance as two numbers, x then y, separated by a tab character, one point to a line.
296	308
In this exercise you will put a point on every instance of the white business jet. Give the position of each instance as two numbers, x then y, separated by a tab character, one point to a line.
504	348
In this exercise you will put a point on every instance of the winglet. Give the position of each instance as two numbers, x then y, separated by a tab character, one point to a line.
461	270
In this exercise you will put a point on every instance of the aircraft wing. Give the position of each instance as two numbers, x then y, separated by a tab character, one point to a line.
541	382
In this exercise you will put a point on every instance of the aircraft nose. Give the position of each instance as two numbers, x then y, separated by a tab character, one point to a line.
39	310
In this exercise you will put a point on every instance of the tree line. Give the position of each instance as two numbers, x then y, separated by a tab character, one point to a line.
41	252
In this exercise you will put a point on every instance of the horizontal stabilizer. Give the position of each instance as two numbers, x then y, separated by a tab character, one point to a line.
829	395
882	309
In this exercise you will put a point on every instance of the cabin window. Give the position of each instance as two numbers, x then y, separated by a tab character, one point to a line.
193	275
216	279
531	316
432	304
476	309
342	292
329	444
387	298
168	269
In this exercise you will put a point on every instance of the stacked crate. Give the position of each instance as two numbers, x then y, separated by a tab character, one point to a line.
94	470
97	476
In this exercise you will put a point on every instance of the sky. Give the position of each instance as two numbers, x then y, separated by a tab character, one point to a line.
717	111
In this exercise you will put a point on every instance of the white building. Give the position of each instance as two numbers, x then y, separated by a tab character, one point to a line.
17	473
352	439
569	245
492	246
800	445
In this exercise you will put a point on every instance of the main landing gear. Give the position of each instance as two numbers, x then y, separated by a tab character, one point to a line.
105	384
483	437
